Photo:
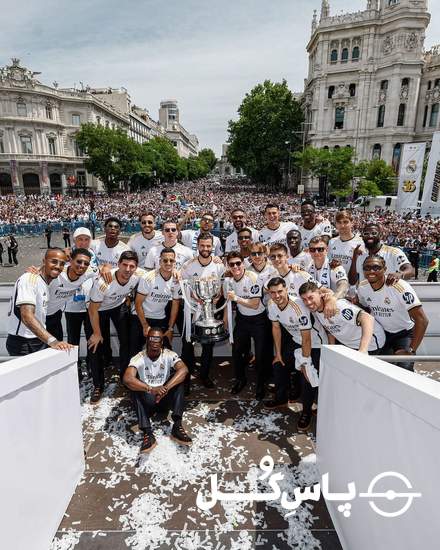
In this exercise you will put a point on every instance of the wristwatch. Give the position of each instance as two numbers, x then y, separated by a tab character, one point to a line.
411	350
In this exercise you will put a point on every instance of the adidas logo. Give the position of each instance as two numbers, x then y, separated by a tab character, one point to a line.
156	288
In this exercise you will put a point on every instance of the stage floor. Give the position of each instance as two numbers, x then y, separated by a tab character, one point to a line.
126	502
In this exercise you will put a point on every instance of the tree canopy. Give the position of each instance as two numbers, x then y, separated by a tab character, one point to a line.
267	131
115	158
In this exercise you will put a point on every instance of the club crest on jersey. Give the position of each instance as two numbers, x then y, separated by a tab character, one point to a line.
387	300
255	289
408	298
162	366
347	314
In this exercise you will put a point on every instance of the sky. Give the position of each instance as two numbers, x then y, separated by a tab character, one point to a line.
206	54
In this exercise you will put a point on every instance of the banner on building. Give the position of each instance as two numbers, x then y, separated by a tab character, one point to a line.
411	168
14	179
431	195
44	174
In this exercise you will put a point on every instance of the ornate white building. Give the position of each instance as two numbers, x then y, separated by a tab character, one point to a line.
38	125
370	84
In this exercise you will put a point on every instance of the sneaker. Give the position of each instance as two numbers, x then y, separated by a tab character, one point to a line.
304	422
96	395
207	382
179	435
274	404
148	443
238	386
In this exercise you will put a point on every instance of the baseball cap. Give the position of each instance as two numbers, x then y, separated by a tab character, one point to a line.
81	231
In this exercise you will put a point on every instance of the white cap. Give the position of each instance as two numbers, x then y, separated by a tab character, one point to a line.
81	231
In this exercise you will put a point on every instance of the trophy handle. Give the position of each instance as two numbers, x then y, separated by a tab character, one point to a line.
221	307
187	297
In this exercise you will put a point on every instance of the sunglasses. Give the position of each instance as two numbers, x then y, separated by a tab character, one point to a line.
155	338
238	217
210	220
167	261
317	249
257	253
373	268
147	222
242	238
82	262
235	264
170	230
277	256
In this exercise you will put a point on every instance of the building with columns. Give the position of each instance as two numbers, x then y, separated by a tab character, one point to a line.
371	85
38	125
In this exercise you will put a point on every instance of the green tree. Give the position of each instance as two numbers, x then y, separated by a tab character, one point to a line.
379	172
208	156
111	155
335	165
269	116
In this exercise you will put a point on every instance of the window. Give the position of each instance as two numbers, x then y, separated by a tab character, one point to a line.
405	82
355	54
429	85
26	145
384	85
393	2
52	146
425	116
49	113
381	116
401	115
21	108
433	119
337	147
344	56
339	118
331	91
437	82
352	90
81	180
78	151
396	156
334	56
76	120
107	124
98	120
377	151
2	147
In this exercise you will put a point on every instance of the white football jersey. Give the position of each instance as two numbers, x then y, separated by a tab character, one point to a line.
390	304
345	326
106	255
294	280
114	294
343	250
139	244
189	239
321	228
193	268
231	243
273	236
303	260
29	289
327	277
79	302
183	254
295	317
394	258
62	289
246	287
158	372
263	277
158	292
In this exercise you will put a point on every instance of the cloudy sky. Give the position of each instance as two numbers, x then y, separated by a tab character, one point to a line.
206	54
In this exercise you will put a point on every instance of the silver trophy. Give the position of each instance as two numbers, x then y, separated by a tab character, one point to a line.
199	294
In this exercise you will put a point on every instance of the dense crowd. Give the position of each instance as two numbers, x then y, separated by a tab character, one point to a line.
171	201
288	287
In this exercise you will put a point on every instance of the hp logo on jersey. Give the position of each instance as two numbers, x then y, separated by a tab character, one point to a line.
408	298
347	314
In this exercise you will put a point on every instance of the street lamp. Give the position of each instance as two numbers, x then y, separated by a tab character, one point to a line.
289	143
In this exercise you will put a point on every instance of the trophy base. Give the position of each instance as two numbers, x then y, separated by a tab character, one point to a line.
209	335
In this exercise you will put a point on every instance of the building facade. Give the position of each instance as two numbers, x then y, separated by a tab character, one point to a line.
371	85
38	125
224	167
186	144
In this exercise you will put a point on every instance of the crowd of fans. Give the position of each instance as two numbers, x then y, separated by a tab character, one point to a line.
171	201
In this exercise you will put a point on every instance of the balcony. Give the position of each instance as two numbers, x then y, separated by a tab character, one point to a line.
25	157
